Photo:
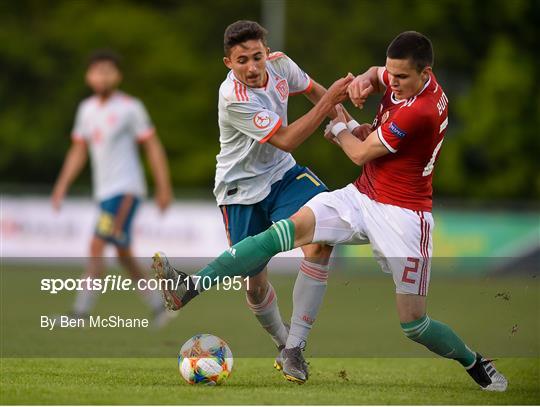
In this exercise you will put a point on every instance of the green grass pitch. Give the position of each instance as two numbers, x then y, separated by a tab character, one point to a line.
254	381
357	352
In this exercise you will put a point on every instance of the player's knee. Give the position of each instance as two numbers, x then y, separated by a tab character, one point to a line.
316	252
304	226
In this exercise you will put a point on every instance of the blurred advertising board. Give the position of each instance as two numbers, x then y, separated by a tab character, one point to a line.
477	242
30	228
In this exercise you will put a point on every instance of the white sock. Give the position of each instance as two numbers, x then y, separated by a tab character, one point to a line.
308	294
84	302
267	312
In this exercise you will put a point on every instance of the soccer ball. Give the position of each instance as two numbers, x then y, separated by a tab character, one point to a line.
205	359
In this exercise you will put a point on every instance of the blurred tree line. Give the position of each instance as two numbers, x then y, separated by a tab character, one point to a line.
485	58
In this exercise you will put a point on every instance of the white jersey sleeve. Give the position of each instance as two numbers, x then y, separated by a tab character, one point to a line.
142	125
80	132
253	120
297	79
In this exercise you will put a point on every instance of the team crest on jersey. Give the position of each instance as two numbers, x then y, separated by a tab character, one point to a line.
396	131
283	89
262	120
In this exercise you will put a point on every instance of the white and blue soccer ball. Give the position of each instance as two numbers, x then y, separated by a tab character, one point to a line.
205	359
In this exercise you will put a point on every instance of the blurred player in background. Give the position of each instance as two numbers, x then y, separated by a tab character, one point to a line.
111	124
389	205
257	179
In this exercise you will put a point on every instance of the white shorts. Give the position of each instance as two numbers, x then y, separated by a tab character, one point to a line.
401	239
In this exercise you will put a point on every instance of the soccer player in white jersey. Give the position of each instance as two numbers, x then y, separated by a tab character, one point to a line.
110	125
257	180
388	206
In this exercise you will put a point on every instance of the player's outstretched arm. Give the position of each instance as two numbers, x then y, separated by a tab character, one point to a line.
160	170
73	164
359	152
316	94
290	137
365	84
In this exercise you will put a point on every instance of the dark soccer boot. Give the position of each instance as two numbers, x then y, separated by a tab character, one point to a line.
176	286
484	373
295	368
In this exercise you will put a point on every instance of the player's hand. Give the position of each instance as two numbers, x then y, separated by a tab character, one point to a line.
328	133
340	118
340	115
163	199
57	198
362	131
359	90
337	93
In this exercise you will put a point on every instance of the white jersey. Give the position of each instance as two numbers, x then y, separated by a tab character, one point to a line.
247	166
112	129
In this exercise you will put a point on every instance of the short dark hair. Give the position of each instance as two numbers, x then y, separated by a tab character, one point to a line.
413	46
107	55
242	31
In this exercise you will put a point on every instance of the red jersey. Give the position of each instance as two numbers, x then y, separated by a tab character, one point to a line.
412	130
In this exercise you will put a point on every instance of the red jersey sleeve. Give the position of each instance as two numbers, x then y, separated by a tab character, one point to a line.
400	128
385	79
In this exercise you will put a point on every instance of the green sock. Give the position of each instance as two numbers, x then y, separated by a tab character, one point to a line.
440	339
249	254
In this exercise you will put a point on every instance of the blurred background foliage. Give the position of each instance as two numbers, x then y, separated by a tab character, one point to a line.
485	58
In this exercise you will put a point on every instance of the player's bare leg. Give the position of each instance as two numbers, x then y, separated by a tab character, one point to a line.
96	265
86	299
442	340
410	307
304	226
128	262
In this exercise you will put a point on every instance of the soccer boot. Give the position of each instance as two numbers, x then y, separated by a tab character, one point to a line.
176	286
278	362
295	368
484	373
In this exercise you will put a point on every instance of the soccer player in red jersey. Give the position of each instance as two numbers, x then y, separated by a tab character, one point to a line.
388	206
